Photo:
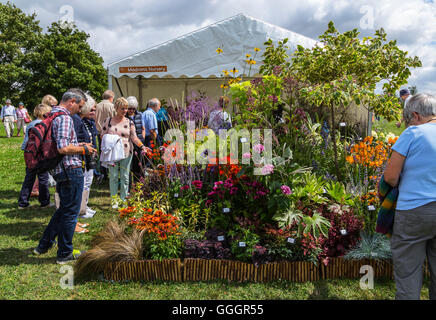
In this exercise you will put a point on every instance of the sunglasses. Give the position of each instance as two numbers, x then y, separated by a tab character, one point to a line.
132	109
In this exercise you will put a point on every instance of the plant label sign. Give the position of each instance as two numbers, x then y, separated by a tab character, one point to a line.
371	208
343	232
242	244
176	195
243	140
226	210
342	124
220	238
291	240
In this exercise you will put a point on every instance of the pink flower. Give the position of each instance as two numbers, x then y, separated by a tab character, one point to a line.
246	155
185	187
258	148
286	190
267	169
197	183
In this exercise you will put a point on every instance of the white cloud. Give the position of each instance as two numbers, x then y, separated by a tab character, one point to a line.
120	28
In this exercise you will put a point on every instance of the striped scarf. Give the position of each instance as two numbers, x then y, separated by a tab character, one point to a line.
388	196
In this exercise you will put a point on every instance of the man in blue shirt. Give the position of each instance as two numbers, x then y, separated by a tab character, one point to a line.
9	117
150	121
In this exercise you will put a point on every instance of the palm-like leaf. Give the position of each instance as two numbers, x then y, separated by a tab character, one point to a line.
316	224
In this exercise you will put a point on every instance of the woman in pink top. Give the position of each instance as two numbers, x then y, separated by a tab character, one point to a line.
122	126
22	115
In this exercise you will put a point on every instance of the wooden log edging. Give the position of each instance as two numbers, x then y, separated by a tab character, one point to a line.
237	271
350	269
144	270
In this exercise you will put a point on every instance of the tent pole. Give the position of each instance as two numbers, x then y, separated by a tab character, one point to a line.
186	92
119	88
140	92
109	79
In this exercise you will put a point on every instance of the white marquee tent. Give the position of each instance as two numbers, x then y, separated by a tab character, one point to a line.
174	69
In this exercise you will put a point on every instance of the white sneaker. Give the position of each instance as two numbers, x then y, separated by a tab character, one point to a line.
89	210
86	216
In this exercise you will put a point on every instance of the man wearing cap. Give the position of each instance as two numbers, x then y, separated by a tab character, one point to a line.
9	117
405	96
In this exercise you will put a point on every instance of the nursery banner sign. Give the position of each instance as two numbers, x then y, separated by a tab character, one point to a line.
143	69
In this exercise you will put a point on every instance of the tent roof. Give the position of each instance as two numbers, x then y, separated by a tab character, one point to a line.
194	54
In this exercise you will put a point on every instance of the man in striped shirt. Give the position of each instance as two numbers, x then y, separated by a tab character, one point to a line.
69	179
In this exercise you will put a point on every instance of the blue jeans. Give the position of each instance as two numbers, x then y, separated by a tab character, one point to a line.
26	189
64	220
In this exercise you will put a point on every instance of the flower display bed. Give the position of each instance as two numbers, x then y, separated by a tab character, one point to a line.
210	270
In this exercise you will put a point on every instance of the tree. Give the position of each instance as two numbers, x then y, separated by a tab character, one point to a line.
63	59
346	69
19	33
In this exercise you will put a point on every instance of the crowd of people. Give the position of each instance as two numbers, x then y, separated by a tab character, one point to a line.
109	139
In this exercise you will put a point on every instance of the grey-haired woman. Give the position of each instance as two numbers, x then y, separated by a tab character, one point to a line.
412	168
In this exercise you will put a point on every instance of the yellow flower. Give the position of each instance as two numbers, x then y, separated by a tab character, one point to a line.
224	86
235	71
256	49
252	61
219	50
247	61
226	73
248	55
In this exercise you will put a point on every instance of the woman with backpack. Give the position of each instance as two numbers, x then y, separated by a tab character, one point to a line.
29	180
123	127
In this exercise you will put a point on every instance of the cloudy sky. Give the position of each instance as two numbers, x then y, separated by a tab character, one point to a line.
118	28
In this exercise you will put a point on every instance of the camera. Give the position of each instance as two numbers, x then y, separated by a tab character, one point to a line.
91	161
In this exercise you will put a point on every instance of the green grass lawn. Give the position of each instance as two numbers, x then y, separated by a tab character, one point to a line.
25	276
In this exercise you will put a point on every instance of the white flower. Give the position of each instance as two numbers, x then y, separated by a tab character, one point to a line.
390	135
336	208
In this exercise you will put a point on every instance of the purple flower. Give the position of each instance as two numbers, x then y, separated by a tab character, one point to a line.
246	155
273	98
286	190
267	169
259	148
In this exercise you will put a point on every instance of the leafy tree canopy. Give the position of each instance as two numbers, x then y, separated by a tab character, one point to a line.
63	59
19	33
33	64
346	69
